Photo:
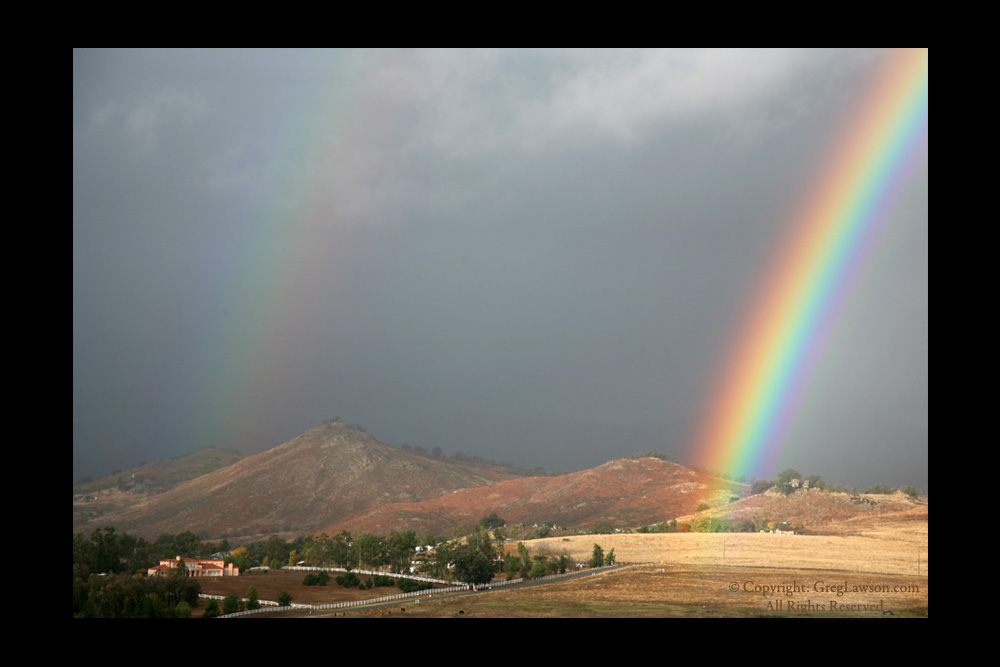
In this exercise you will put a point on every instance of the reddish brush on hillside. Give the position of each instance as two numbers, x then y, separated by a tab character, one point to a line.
330	473
624	493
335	477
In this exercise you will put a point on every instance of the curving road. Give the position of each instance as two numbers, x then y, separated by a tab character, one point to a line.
443	596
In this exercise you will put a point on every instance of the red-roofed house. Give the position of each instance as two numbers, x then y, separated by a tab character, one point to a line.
196	567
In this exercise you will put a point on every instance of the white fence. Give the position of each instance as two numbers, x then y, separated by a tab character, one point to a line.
307	568
268	605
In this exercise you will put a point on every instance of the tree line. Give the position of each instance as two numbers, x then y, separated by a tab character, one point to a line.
109	567
136	596
790	480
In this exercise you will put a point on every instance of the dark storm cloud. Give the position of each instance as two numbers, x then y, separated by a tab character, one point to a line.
531	256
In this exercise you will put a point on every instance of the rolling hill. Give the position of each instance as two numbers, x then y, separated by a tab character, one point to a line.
626	493
335	477
330	473
93	500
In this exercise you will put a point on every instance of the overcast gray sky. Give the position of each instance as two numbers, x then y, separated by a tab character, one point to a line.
534	256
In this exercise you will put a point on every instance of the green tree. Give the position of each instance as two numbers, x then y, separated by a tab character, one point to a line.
241	558
910	491
492	522
153	607
410	585
187	544
211	609
182	610
437	563
518	564
276	551
481	541
425	540
177	586
539	532
597	557
400	547
318	550
540	567
816	482
604	528
789	474
563	562
231	604
284	598
348	580
111	552
252	601
609	558
106	550
512	564
370	551
523	552
341	551
785	482
472	566
499	538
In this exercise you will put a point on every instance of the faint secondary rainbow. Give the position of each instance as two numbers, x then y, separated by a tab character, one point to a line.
279	308
770	358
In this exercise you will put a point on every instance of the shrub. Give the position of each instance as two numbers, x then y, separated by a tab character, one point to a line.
540	567
316	579
604	528
545	531
252	601
231	604
409	585
211	609
348	580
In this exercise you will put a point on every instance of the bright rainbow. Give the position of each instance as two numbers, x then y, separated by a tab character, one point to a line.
771	356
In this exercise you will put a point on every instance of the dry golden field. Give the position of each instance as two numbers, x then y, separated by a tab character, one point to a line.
871	569
885	545
686	591
638	591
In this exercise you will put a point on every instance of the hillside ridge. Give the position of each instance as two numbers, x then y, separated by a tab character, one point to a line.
328	473
336	477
